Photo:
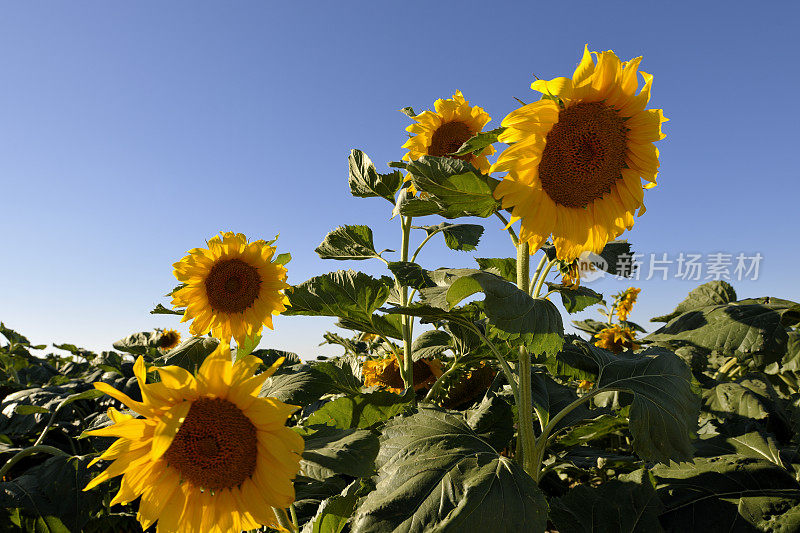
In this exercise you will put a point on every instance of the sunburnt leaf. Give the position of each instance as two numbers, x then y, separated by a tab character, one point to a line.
436	474
366	182
348	242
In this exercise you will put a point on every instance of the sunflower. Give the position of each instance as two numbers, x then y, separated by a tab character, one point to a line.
616	339
208	455
168	340
626	301
232	288
577	156
443	132
470	386
386	373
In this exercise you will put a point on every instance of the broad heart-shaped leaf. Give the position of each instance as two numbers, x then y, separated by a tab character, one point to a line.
493	421
751	332
457	187
627	504
53	490
534	322
461	237
478	142
575	360
190	354
726	493
13	337
665	408
616	255
505	267
708	294
351	296
366	182
550	397
576	299
753	444
430	344
589	325
330	451
297	385
348	242
734	401
436	474
411	274
138	343
361	411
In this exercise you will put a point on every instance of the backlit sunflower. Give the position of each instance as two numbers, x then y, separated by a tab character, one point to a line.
168	340
207	454
577	156
232	288
386	373
616	339
626	301
442	132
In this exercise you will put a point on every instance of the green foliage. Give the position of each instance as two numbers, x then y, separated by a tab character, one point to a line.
436	473
477	143
461	237
331	451
366	182
360	411
709	294
506	268
348	242
576	299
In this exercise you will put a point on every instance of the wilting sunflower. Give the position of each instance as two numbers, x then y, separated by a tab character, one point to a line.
626	301
578	155
232	288
386	373
616	339
208	455
442	132
168	340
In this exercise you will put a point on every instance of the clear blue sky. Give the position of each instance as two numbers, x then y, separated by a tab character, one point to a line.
131	132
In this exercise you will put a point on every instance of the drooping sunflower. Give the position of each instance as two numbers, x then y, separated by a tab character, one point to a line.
232	288
168	340
386	373
578	155
626	301
207	454
616	339
442	132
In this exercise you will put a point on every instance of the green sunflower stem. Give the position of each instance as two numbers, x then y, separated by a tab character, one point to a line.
41	448
526	441
406	321
283	519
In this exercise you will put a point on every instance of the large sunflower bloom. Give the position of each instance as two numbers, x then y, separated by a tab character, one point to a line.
577	156
616	339
207	455
232	288
442	132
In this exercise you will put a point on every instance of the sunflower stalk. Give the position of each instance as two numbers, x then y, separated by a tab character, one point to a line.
407	366
526	441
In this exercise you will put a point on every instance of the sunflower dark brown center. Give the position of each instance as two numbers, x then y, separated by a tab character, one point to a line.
232	285
584	154
391	374
215	448
168	339
448	138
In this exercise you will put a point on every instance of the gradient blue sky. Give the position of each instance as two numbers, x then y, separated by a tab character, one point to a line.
131	132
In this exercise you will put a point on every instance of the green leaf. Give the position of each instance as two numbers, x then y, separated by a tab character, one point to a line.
492	421
409	111
752	444
461	237
283	259
751	332
361	411
330	451
51	494
506	268
348	242
190	354
706	295
616	255
478	142
598	428
411	274
576	299
430	344
725	493
550	397
665	408
436	474
457	187
297	385
589	325
161	310
574	360
414	206
513	313
138	343
791	359
341	375
13	337
366	182
627	504
22	409
732	400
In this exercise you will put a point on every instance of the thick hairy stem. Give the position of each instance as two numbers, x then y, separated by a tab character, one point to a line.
406	321
524	405
283	519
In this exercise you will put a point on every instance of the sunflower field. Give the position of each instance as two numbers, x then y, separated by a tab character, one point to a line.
458	403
